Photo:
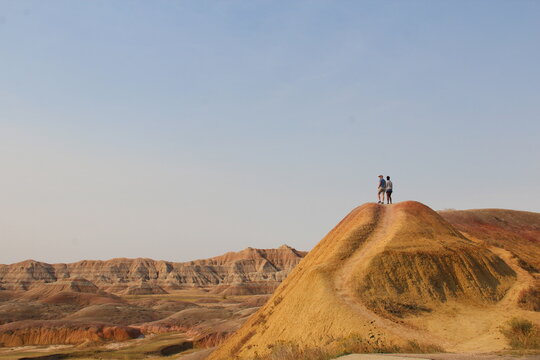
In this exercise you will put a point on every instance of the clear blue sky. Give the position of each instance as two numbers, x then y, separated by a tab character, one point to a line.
183	129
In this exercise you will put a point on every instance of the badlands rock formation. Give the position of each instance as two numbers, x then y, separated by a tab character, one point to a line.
87	301
391	275
61	332
245	272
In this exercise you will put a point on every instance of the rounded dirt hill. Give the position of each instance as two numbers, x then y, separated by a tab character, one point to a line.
391	276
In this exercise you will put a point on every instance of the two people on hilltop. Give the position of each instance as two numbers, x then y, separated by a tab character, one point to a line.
385	186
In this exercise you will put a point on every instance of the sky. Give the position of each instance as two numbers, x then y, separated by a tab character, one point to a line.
180	130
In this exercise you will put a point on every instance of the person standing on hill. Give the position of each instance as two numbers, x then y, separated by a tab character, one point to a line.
381	189
389	189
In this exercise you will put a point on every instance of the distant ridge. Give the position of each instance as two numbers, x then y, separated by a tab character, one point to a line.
250	271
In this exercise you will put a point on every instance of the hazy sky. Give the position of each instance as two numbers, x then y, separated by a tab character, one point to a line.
184	129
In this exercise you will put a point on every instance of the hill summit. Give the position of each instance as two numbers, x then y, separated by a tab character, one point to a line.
389	275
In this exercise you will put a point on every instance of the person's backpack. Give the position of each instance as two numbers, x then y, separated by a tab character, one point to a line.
383	183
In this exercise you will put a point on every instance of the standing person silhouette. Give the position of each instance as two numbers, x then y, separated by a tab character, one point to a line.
389	189
381	189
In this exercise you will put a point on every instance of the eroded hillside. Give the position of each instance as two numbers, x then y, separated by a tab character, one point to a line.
120	299
391	276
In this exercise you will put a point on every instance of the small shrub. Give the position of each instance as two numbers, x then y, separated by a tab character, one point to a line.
522	334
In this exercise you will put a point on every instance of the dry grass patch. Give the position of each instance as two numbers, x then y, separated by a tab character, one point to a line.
357	344
522	334
418	348
353	344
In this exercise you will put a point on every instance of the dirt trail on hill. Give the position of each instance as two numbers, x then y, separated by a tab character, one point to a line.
358	263
524	278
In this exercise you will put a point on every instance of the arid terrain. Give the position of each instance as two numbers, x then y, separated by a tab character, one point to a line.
399	278
92	303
